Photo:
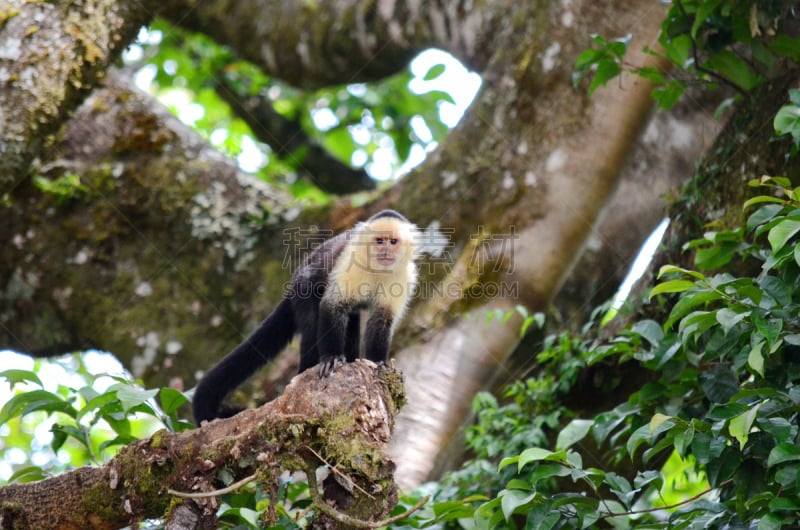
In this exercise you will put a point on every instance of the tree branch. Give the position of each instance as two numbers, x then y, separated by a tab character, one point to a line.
356	404
339	42
38	91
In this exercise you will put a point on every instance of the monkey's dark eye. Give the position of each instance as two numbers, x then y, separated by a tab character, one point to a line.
393	241
379	240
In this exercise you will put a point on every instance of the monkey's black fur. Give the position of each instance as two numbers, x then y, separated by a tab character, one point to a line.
330	332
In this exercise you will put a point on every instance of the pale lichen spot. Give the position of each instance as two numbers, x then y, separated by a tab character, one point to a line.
173	347
216	321
556	160
144	289
81	257
149	344
508	181
550	57
449	178
12	49
530	178
594	243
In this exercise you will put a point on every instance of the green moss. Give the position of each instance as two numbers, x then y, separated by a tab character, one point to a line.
157	440
98	500
393	380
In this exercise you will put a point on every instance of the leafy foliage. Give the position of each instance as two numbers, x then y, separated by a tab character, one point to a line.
359	124
709	440
86	423
716	41
787	120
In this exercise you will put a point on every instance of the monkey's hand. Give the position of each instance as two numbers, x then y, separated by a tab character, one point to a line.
329	364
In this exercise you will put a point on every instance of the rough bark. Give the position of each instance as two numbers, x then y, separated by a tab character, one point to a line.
160	229
38	89
347	418
660	163
343	41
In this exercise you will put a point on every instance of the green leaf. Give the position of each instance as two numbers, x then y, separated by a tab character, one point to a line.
781	233
171	399
671	286
719	383
689	301
27	474
62	432
716	256
734	68
787	46
606	70
669	94
650	330
728	318
763	215
769	328
762	199
704	10
739	427
666	269
781	453
575	431
131	395
35	400
433	72
782	503
696	323
787	120
755	359
99	403
533	454
621	488
511	500
770	521
638	437
678	49
15	376
657	420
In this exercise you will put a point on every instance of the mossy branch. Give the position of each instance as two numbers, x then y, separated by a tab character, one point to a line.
343	417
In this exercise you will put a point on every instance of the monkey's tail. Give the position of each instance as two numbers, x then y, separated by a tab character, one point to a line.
262	346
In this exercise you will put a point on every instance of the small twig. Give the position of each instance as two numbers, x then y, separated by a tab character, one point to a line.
216	493
670	506
333	468
330	511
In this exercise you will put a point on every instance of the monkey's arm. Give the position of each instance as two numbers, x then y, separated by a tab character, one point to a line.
331	335
378	335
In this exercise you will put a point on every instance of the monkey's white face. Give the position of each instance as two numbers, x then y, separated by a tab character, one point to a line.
385	249
385	245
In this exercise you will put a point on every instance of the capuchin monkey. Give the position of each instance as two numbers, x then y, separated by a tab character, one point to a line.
370	267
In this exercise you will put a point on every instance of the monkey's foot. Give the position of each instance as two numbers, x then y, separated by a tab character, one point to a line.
329	364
